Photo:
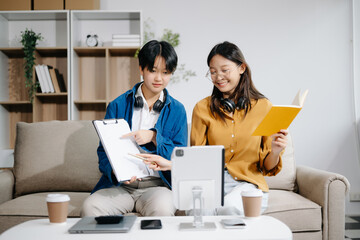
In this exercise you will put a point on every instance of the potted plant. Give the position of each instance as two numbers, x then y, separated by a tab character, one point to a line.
29	41
174	39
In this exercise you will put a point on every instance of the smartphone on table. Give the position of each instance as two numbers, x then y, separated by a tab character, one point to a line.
233	223
151	224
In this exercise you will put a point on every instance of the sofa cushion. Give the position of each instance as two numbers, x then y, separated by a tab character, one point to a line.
298	213
55	156
24	205
286	178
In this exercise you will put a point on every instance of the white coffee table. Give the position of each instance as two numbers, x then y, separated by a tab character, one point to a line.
264	227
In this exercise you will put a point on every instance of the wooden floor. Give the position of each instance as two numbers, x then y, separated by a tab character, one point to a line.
352	227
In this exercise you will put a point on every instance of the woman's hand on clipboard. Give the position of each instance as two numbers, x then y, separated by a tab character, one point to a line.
142	136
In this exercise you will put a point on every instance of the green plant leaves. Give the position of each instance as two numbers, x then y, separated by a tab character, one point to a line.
29	41
169	36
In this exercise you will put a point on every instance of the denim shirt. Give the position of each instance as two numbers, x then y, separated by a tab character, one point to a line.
171	131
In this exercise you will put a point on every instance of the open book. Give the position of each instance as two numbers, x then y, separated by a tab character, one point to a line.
117	149
280	116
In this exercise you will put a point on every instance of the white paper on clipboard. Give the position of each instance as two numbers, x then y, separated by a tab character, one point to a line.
117	149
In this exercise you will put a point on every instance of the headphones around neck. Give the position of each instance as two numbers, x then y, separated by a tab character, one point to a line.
229	106
158	105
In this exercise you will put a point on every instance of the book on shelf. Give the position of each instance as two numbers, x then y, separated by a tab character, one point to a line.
54	80
280	116
48	78
126	41
40	79
126	36
43	76
126	44
61	81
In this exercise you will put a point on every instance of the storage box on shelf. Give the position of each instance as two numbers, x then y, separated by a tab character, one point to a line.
53	50
15	5
82	4
48	5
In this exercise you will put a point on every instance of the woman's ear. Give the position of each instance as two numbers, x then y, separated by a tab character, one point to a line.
242	68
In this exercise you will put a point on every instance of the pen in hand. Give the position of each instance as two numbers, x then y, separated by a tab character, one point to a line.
142	158
139	157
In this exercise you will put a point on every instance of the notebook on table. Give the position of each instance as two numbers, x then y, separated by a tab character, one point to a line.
89	225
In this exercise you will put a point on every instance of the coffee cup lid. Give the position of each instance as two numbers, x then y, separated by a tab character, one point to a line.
57	197
252	193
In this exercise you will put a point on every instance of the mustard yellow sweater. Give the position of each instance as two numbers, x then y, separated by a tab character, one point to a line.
244	154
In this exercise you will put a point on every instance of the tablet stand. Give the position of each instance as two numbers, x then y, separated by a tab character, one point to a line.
198	223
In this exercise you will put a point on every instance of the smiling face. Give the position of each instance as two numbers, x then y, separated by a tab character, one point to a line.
225	74
156	79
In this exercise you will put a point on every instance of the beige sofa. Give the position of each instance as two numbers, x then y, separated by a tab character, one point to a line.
60	156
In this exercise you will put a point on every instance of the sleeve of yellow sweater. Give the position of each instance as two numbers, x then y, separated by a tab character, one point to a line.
265	150
198	128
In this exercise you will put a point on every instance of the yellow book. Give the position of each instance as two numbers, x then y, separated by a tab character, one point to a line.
280	116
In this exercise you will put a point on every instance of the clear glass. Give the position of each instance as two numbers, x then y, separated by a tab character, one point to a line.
212	76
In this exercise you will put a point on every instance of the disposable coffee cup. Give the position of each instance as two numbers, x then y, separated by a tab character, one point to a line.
252	203
57	205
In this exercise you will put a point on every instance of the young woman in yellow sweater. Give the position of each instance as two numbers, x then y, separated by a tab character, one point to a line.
228	117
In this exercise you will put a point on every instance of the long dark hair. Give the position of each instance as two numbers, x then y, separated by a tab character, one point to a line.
244	91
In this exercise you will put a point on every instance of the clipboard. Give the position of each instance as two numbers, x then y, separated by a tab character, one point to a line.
117	149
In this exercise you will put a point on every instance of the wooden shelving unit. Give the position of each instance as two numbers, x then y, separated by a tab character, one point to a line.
100	74
94	76
14	100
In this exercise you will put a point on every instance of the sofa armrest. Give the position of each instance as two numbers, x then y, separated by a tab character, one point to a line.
329	191
7	182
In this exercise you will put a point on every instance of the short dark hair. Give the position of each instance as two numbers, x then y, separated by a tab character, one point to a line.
154	48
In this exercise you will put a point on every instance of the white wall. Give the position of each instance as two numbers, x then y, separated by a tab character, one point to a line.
356	79
289	45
